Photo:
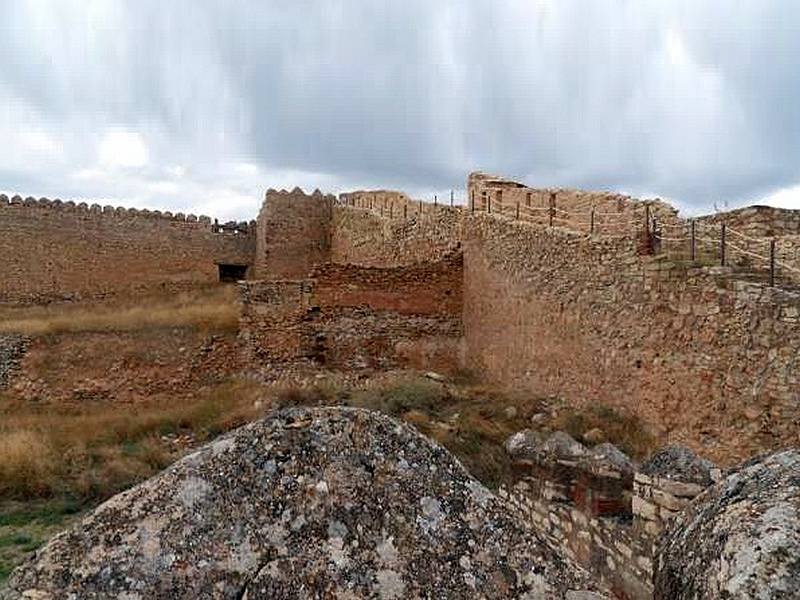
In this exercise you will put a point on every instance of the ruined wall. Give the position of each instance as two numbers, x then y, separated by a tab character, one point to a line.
604	509
12	349
620	555
704	359
56	250
591	316
293	234
355	319
758	221
271	321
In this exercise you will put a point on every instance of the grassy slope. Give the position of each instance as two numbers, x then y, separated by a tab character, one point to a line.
111	393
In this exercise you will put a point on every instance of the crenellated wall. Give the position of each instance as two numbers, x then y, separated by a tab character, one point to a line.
54	250
293	234
551	303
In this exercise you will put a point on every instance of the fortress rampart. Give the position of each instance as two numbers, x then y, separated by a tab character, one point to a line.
697	350
54	250
594	299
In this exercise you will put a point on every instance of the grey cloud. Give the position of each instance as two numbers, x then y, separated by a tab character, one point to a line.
689	100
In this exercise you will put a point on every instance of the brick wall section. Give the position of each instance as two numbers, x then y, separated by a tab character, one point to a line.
293	234
706	360
433	288
354	319
59	250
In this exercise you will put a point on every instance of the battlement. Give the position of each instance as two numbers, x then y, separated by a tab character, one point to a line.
120	212
62	250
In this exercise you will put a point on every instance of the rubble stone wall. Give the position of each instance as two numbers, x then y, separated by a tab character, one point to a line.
617	549
355	318
705	359
421	232
12	349
55	250
293	234
614	551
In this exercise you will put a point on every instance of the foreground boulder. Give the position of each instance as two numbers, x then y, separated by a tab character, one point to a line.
311	503
740	539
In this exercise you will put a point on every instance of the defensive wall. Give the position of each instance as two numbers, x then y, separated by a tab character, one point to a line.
590	297
615	317
293	234
54	250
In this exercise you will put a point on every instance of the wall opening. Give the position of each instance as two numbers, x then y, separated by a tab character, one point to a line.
232	273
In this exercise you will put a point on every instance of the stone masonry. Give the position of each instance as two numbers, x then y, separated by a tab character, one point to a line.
54	250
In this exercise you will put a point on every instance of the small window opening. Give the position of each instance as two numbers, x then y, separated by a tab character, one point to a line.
232	273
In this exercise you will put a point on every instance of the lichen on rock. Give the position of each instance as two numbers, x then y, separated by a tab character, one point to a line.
324	502
740	539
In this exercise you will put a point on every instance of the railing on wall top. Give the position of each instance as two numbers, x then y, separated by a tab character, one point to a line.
774	261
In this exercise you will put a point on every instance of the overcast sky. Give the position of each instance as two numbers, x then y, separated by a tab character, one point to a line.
201	105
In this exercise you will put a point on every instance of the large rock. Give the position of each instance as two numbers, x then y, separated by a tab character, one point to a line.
739	539
311	503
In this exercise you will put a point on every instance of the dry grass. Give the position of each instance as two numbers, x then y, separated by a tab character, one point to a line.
27	462
469	420
90	452
214	308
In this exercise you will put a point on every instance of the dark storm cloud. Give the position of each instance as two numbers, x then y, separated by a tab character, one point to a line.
221	99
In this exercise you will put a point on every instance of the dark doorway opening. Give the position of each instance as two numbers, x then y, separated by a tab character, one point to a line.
232	273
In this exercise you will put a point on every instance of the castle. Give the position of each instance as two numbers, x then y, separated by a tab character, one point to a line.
594	297
598	298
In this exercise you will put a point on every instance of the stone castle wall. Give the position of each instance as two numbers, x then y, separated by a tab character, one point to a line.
55	250
293	234
552	308
704	357
394	234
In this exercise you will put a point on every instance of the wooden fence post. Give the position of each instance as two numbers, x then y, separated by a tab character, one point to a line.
772	262
723	235
591	223
693	242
